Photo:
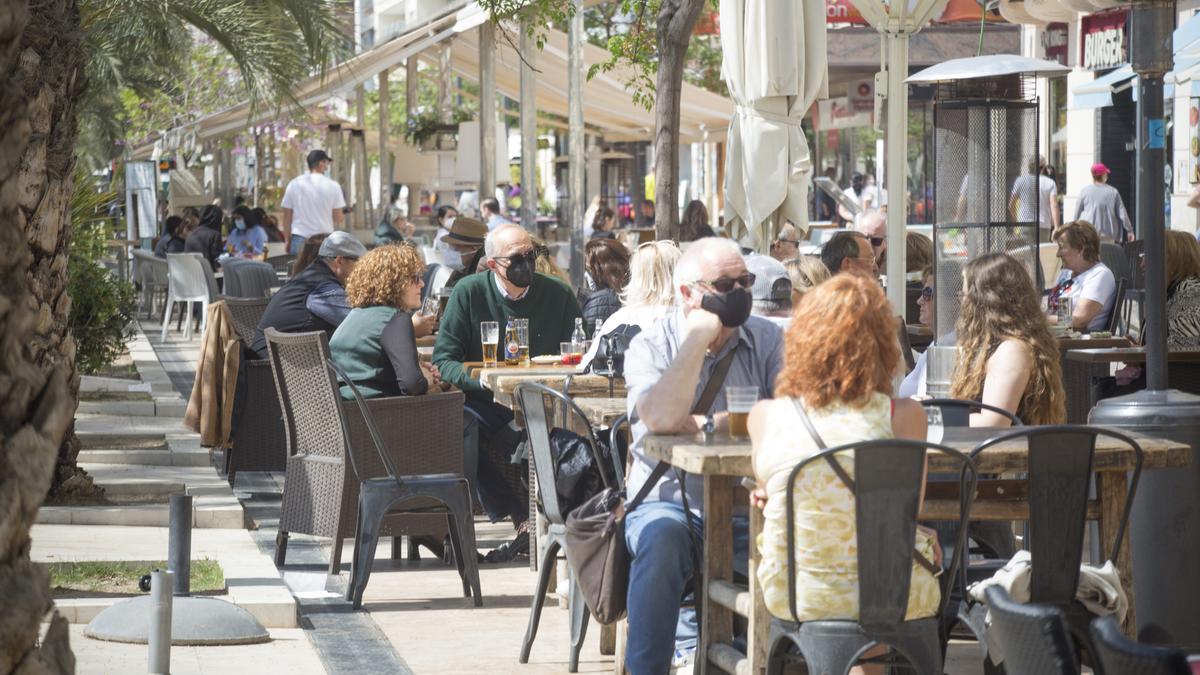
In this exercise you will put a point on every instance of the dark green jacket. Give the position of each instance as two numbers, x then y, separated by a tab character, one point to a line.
549	305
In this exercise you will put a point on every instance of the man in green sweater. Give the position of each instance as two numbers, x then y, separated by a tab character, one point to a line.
509	288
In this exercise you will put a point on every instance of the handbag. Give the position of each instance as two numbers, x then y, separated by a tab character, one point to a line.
595	531
610	353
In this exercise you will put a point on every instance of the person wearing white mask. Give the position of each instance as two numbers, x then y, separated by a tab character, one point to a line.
463	247
445	218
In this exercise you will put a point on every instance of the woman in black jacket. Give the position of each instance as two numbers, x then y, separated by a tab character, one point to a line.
606	262
170	242
206	239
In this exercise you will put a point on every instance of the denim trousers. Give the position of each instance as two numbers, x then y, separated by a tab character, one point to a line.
657	537
297	244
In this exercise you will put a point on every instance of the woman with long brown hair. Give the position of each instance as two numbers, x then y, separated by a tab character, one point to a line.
1007	356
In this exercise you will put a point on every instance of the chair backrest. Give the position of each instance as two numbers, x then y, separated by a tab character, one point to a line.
532	398
248	278
246	313
1118	655
369	419
1115	259
906	347
1033	638
912	311
308	396
957	412
187	275
1133	252
282	263
1060	469
1114	315
889	475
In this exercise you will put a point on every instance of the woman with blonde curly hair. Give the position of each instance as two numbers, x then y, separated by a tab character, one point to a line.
376	344
1007	356
841	378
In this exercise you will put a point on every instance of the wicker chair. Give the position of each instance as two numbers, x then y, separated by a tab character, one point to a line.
282	263
1119	655
1034	638
258	441
320	496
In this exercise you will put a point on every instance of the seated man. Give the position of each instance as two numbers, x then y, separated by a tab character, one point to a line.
509	288
666	370
315	299
772	291
849	251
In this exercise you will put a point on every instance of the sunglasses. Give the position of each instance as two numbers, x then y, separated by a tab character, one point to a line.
927	292
531	256
793	242
725	284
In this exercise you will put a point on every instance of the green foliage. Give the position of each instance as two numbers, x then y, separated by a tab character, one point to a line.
425	124
102	306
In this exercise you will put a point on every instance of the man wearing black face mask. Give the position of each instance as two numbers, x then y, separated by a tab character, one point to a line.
667	368
508	289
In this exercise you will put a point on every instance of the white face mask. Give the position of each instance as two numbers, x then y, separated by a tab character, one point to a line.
448	222
454	260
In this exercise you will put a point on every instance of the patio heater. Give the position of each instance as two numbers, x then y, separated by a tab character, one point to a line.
984	146
1166	514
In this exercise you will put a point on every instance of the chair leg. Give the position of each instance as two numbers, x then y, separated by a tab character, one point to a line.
187	326
335	556
458	552
579	625
166	320
371	511
414	550
281	542
204	317
463	541
539	599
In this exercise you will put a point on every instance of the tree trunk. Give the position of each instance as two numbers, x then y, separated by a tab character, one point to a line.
37	405
51	70
676	19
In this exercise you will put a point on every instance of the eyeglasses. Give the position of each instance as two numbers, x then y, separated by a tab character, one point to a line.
793	242
876	242
927	292
725	284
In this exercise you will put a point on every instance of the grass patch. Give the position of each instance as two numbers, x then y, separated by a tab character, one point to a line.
120	578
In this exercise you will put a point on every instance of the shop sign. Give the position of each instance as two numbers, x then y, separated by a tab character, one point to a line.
862	95
1104	40
837	113
1054	42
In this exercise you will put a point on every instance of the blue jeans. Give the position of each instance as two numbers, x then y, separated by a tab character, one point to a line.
656	535
297	244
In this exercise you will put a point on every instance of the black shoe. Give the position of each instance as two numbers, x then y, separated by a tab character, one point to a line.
518	547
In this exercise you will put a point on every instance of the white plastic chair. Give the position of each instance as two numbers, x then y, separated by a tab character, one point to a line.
187	282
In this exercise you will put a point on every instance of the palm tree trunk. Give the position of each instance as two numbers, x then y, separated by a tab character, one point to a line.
51	67
676	19
38	405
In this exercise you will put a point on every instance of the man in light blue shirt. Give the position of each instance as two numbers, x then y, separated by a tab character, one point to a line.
666	370
491	214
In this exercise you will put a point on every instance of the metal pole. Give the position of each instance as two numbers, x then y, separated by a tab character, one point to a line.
529	193
1152	26
487	110
897	152
575	141
159	637
385	153
410	111
179	544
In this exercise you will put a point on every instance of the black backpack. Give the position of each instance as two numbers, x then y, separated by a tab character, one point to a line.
610	354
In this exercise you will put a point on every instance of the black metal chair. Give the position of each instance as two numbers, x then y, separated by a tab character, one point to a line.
1118	655
1060	472
957	412
889	476
1115	314
532	398
1033	638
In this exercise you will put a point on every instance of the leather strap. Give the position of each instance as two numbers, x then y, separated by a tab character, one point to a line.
838	469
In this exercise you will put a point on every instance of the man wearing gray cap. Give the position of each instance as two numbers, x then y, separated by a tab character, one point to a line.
772	290
315	299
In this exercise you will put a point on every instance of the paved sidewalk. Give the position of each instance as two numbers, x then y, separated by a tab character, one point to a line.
287	652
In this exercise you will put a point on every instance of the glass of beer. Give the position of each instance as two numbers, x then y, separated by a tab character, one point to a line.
522	328
489	335
739	401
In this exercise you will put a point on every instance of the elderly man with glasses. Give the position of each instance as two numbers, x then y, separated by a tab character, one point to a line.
849	251
787	245
668	367
508	289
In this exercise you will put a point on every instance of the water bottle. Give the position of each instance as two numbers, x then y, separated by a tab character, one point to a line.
578	336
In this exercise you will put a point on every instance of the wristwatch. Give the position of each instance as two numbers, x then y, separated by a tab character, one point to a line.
710	426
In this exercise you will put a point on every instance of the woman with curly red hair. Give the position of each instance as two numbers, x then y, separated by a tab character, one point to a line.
841	377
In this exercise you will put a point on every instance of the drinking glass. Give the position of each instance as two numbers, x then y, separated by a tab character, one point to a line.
571	352
738	402
934	426
1064	313
489	335
522	328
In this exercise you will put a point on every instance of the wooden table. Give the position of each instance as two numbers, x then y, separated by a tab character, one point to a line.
1129	355
601	411
427	341
1077	376
722	459
503	381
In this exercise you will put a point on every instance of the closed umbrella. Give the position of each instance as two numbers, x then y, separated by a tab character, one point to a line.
775	66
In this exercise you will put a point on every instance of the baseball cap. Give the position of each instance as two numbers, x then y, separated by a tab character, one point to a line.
342	244
1098	169
317	156
771	281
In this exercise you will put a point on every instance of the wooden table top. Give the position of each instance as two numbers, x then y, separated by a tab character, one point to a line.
601	411
1085	342
427	341
725	456
1129	355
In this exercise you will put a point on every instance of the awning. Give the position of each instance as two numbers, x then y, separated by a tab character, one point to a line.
1186	39
1098	93
607	105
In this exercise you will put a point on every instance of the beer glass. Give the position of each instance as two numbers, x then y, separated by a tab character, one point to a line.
935	427
489	335
1065	311
738	402
522	328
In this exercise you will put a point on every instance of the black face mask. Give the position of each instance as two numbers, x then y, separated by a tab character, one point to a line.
520	272
732	308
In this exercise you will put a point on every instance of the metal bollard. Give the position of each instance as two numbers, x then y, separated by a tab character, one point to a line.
179	545
159	637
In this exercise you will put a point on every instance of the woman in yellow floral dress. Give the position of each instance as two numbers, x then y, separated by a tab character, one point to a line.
841	352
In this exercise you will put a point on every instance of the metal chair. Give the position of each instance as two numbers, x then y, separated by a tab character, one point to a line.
957	412
320	495
532	398
1060	472
282	263
248	278
187	282
379	496
1114	314
1033	638
889	475
1118	655
906	347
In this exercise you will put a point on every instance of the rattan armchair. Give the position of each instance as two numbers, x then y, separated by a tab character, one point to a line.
258	442
424	435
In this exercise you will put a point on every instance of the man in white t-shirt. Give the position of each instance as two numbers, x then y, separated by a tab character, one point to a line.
312	203
1034	193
